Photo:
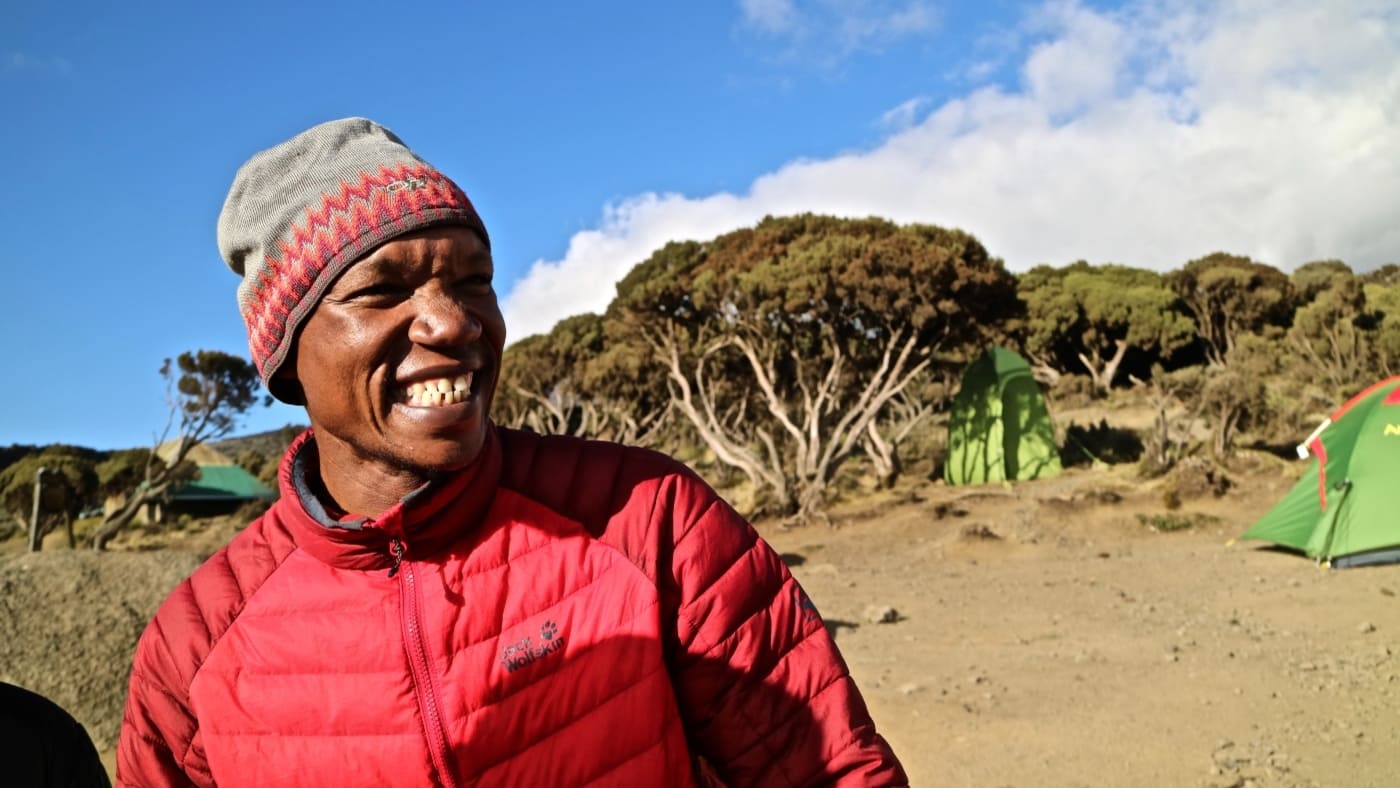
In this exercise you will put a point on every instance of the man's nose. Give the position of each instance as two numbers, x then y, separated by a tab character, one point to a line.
443	319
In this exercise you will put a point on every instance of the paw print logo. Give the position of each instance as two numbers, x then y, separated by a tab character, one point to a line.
804	604
548	630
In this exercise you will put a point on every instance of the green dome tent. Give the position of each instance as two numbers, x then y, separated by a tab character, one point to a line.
1343	511
1000	428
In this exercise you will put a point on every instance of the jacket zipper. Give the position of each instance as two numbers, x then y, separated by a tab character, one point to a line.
418	663
396	547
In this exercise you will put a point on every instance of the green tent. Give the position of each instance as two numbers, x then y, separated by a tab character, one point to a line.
1343	511
1000	427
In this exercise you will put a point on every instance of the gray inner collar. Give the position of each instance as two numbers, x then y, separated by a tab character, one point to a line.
303	462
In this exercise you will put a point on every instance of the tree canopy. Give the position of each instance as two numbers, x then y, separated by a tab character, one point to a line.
781	344
1096	314
1230	295
69	483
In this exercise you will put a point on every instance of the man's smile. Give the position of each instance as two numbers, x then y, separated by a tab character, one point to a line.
436	392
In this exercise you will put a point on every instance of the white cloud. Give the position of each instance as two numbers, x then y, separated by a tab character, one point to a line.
826	32
862	24
769	16
1147	136
583	281
1081	65
904	115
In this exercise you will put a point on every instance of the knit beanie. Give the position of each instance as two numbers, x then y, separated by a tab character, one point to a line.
301	212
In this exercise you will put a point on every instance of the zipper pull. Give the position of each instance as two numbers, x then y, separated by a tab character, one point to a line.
396	546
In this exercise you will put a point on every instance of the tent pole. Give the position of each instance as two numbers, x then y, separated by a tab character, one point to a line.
1345	486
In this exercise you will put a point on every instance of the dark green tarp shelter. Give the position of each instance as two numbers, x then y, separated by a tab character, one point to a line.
1000	427
219	490
1345	510
223	483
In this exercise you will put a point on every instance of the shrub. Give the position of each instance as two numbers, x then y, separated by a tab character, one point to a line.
1167	522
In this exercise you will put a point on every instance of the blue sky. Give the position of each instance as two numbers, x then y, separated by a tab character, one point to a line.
1144	133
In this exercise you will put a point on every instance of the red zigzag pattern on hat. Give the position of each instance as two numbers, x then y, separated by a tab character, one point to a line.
341	220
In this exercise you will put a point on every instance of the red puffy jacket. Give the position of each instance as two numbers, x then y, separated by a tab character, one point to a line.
564	612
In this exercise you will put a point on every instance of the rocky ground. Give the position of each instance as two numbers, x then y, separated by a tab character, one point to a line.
1041	635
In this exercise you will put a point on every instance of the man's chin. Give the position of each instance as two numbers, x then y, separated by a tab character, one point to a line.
444	455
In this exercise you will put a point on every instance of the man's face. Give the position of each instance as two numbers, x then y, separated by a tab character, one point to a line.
399	361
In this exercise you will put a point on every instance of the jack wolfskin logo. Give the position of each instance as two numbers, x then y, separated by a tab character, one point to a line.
525	652
809	610
1392	429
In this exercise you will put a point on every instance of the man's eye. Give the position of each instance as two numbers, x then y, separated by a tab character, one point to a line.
475	282
377	292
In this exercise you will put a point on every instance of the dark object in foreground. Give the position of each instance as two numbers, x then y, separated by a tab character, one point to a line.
42	745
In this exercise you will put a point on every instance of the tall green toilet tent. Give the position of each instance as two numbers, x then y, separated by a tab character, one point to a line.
1000	427
1345	511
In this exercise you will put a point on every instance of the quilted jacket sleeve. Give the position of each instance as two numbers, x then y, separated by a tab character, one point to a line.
160	743
158	728
768	696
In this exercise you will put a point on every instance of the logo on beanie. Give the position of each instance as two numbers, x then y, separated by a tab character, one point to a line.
406	184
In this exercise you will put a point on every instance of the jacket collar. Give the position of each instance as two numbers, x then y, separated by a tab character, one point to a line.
426	521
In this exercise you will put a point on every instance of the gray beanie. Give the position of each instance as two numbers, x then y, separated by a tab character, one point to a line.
301	212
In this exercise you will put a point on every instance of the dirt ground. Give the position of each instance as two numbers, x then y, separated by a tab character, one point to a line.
1036	635
1044	636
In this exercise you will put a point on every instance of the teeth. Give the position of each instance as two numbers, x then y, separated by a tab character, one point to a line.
442	391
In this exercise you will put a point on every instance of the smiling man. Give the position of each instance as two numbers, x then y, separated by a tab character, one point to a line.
436	600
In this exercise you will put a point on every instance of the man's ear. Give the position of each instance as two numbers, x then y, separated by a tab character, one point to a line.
284	384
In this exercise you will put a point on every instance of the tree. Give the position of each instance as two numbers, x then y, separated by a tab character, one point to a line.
124	469
261	454
565	382
1096	314
1386	275
927	393
782	344
16	452
208	392
528	394
69	484
630	390
1233	396
1224	399
253	462
1384	300
1334	335
1172	396
129	469
1230	295
1312	278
